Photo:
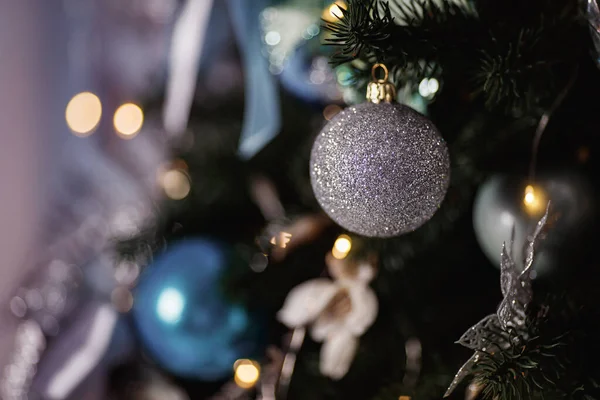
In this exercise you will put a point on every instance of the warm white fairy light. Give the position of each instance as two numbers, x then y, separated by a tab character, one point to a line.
247	373
83	113
176	184
128	120
334	11
282	239
534	200
341	247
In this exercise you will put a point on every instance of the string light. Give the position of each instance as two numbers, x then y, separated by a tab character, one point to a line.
128	120
341	247
83	113
334	11
282	239
529	195
429	87
534	200
331	111
247	373
176	184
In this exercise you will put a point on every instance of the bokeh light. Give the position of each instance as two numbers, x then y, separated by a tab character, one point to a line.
341	247
429	87
176	184
534	200
334	12
272	38
247	373
331	111
170	305
128	120
529	195
83	113
281	240
122	299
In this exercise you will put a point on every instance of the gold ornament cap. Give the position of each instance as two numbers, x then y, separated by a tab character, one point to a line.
380	89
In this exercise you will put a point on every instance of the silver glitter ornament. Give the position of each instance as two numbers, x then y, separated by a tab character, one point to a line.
380	169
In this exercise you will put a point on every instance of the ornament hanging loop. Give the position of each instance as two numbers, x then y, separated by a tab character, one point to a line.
374	73
380	89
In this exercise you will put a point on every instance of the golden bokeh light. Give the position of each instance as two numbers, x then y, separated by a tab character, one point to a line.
334	11
404	398
534	200
341	247
128	120
281	240
176	184
83	113
331	111
247	373
529	198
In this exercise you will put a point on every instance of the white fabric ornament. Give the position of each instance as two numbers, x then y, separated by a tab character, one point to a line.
339	311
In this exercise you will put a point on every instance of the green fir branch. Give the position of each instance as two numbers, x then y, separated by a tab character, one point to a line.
512	57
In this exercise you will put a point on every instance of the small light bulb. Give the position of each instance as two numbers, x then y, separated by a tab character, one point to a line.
83	113
128	120
247	373
529	195
282	239
534	200
429	87
433	85
341	247
175	183
334	11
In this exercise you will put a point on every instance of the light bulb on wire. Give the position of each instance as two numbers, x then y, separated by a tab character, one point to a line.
534	200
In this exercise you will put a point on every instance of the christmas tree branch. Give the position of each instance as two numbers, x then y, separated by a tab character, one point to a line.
512	54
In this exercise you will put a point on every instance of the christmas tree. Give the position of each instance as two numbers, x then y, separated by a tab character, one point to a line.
345	201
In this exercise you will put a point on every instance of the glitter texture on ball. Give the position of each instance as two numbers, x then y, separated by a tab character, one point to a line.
380	170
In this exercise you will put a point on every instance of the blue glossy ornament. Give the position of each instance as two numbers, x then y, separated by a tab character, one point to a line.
183	319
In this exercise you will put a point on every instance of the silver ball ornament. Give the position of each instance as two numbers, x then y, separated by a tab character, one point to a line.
380	170
500	205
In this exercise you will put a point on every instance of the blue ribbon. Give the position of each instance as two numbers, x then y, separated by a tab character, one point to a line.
262	120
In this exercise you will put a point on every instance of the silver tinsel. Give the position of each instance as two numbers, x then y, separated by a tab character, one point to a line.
380	169
593	17
508	325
